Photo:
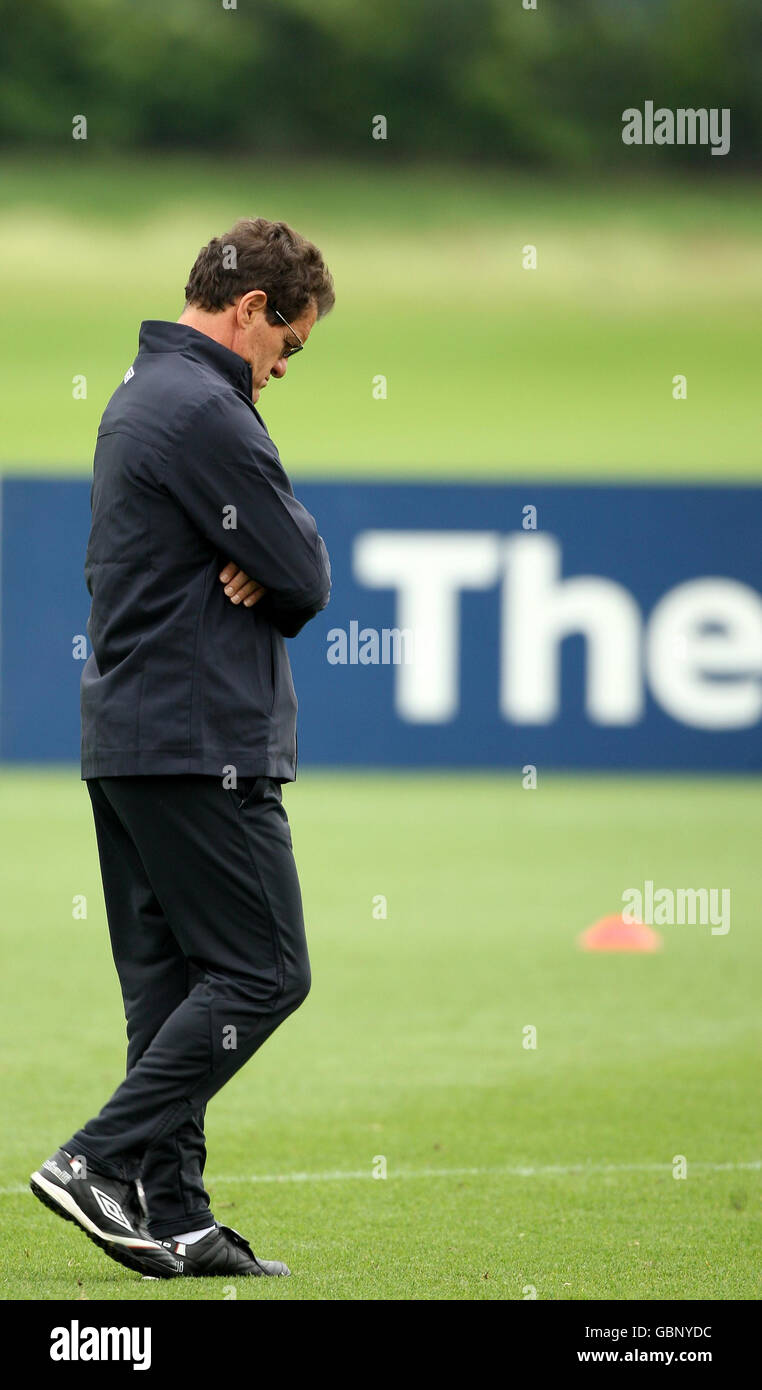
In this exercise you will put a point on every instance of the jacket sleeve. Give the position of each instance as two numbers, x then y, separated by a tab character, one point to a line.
229	480
290	621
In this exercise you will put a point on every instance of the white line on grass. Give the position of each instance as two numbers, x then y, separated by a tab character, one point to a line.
542	1170
549	1170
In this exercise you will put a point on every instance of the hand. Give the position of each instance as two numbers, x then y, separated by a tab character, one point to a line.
239	587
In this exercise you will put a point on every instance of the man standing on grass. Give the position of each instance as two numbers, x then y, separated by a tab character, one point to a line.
200	561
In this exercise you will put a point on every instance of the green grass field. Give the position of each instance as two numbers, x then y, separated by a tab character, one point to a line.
507	1168
492	370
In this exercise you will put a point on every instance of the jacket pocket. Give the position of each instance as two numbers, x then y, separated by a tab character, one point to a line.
248	789
273	676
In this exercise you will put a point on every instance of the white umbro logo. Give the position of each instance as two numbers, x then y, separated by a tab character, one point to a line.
110	1208
129	374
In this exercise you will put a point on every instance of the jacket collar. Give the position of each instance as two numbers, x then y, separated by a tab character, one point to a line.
156	335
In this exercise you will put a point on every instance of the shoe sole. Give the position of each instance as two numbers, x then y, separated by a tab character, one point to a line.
117	1247
234	1274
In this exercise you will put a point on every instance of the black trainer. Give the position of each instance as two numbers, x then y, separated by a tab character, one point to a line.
107	1210
223	1251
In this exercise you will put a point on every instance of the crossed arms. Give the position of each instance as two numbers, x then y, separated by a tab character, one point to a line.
229	474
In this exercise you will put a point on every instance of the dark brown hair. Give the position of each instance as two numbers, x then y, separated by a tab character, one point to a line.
260	255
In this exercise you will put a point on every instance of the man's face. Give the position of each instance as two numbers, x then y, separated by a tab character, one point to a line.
265	345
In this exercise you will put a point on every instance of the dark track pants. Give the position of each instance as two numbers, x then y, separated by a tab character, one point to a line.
205	918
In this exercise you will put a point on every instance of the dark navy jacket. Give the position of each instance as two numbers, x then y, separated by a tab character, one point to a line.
186	477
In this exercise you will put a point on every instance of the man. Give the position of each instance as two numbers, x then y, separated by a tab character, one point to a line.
200	561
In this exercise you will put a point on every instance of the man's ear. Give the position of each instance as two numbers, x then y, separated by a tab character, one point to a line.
248	306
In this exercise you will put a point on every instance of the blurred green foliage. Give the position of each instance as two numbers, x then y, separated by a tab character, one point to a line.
478	79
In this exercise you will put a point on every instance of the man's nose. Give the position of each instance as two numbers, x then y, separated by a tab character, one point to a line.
280	367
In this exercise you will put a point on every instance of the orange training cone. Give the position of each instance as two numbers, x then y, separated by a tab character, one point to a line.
614	934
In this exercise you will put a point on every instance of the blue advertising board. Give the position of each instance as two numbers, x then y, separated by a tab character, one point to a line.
470	625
